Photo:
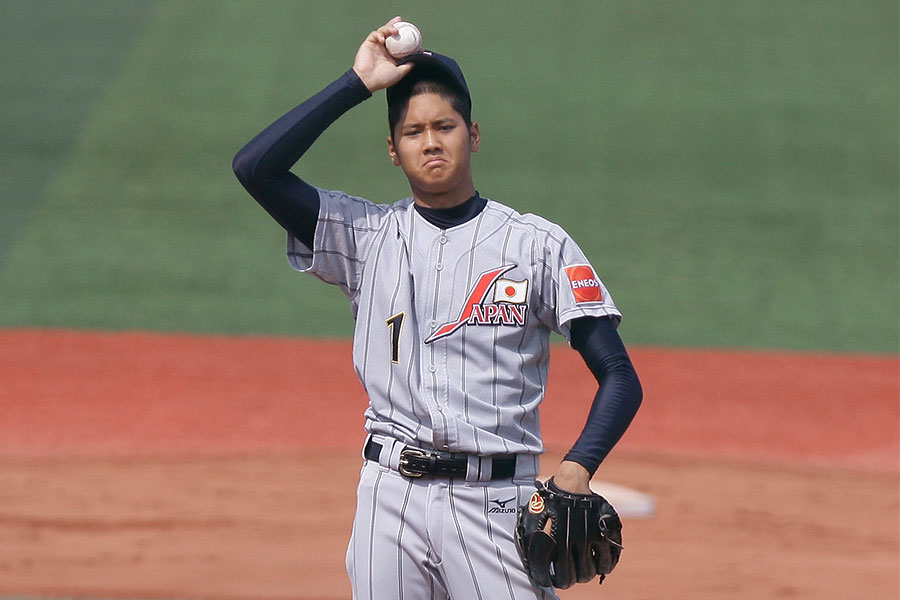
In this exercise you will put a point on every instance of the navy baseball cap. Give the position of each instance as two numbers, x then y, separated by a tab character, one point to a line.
428	62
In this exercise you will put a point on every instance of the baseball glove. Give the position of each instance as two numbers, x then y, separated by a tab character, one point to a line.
565	538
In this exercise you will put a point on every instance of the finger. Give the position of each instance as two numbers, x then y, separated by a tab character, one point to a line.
387	31
388	28
375	37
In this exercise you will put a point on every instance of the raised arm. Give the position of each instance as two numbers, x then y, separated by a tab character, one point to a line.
263	164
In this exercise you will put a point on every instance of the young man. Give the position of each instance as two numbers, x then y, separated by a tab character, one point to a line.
454	298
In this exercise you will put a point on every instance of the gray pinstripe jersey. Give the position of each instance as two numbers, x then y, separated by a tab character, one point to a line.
452	326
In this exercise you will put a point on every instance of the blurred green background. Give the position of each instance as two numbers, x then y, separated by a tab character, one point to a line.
731	168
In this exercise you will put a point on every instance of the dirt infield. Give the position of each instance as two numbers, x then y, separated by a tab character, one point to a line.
171	466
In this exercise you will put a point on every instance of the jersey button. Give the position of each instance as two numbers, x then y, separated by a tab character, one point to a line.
443	240
439	267
432	368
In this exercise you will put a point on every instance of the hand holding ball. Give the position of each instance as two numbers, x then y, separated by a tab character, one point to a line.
407	40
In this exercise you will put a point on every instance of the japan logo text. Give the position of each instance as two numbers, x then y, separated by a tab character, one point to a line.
509	306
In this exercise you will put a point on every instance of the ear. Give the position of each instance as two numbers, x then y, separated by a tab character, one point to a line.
392	151
474	137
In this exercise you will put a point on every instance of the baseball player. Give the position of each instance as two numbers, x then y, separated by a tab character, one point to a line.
454	297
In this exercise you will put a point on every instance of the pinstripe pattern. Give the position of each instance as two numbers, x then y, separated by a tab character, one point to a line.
488	526
462	543
436	540
463	384
448	362
496	363
403	399
399	543
367	333
478	389
441	429
374	508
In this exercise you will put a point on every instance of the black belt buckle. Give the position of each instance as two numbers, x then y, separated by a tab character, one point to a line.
404	463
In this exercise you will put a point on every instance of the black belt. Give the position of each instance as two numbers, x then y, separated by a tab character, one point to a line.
416	463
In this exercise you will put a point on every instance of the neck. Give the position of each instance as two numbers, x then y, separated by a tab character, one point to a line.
445	218
444	199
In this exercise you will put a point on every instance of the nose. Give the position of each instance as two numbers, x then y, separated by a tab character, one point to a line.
432	142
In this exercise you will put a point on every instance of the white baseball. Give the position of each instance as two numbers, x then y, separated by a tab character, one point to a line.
407	40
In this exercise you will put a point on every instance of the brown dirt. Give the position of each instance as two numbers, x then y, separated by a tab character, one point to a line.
164	466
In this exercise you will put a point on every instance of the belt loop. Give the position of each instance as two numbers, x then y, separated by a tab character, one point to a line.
473	465
487	468
527	467
387	450
390	453
366	446
478	468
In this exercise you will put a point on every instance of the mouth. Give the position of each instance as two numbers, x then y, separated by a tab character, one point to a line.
435	162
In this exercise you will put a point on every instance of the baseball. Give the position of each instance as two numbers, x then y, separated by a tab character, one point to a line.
407	40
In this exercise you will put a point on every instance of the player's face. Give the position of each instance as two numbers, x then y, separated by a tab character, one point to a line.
433	146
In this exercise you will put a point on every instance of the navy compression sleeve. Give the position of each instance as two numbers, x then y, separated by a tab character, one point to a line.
263	165
619	396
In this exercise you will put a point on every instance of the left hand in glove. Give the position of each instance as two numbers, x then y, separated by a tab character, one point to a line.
566	538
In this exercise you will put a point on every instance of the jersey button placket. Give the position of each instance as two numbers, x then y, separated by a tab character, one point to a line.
433	381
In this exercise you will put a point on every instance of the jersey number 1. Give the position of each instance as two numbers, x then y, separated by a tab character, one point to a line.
395	323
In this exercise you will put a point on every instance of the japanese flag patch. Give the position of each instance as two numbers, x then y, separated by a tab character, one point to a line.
585	283
514	292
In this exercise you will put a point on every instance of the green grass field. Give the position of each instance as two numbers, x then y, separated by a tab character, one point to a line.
731	168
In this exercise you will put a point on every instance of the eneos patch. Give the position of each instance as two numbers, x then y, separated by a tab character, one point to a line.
585	283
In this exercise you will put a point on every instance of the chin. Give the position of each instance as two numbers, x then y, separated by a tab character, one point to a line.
432	186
